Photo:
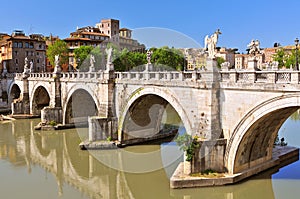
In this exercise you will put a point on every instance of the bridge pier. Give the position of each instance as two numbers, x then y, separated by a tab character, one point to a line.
22	106
3	93
54	113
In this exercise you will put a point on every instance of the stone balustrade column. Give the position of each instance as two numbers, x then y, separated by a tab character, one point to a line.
271	77
233	77
295	77
251	77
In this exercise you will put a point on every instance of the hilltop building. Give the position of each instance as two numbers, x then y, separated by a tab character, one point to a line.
15	47
107	31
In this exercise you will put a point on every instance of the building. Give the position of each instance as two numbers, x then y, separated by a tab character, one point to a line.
16	47
241	61
228	54
107	31
86	36
122	37
195	57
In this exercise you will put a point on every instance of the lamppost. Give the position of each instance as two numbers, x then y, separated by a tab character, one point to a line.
296	44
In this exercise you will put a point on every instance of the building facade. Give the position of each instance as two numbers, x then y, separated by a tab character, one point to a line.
16	47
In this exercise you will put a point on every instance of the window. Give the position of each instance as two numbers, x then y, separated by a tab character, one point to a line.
20	45
108	32
27	53
38	61
31	45
32	53
15	44
40	46
16	61
37	53
16	53
26	45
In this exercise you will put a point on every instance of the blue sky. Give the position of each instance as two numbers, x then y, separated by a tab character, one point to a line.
240	21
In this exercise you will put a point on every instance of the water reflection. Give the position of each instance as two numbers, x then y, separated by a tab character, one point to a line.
36	163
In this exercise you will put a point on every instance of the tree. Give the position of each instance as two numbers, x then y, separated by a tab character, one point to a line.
220	60
280	57
59	47
81	54
129	60
168	57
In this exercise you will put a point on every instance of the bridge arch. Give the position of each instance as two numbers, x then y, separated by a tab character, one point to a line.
40	99
162	93
252	140
14	91
80	103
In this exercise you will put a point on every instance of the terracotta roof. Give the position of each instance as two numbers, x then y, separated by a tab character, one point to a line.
77	39
124	29
89	33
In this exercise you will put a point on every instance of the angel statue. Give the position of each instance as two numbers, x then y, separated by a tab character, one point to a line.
211	43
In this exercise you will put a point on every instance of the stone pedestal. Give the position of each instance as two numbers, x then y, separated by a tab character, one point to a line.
148	68
210	155
49	114
252	64
102	128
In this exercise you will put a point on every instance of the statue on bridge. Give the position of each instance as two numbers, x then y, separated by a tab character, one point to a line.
57	68
254	48
149	55
31	67
92	63
109	63
26	68
210	43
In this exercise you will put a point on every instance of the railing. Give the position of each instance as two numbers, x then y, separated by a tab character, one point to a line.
159	75
280	76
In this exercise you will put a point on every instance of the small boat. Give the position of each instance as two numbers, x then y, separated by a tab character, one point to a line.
4	117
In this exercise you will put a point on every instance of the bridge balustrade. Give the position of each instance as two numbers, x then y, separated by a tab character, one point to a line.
280	76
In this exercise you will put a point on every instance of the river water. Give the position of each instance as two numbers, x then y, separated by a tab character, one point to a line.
49	164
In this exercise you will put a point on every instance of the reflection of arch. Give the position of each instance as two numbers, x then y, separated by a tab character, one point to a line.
81	103
253	138
39	100
165	94
78	162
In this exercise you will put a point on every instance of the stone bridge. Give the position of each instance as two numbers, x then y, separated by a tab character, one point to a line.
240	112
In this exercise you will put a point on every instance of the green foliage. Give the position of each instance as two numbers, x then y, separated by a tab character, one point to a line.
109	139
285	59
220	60
188	144
129	60
82	57
81	54
60	48
279	56
52	123
164	58
169	57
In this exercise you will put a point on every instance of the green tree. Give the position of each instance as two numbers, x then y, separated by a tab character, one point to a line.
60	48
290	59
81	54
168	57
129	60
220	60
280	57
